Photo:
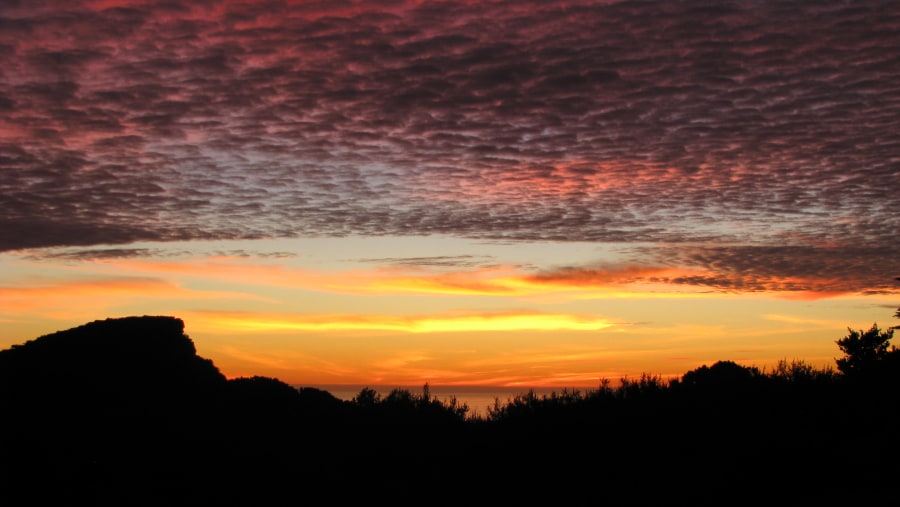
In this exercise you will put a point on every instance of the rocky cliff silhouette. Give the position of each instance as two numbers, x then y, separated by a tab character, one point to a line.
119	365
124	412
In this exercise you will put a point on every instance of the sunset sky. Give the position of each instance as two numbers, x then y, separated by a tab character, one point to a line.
522	193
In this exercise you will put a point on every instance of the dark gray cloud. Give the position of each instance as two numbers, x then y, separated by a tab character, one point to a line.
816	271
444	261
819	269
86	254
763	123
82	254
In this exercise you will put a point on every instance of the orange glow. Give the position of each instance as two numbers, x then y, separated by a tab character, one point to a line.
86	294
443	324
508	281
494	281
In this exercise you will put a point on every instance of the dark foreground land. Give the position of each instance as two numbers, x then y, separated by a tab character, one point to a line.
124	412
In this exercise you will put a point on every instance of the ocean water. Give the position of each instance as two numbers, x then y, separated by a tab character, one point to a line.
478	398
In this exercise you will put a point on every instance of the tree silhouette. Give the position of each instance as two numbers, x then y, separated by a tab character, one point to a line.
863	350
897	313
367	397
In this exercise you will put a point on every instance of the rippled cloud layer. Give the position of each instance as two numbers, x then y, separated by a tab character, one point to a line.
768	132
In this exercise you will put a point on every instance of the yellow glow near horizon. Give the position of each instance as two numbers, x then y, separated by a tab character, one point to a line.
242	322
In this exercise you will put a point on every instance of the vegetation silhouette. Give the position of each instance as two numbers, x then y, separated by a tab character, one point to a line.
124	412
865	352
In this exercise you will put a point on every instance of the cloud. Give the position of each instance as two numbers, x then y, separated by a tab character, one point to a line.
92	254
666	122
452	261
100	254
677	271
398	279
79	298
807	271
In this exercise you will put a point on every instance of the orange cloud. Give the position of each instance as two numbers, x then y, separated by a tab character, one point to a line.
497	281
594	277
506	281
76	296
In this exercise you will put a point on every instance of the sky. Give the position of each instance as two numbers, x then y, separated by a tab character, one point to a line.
515	193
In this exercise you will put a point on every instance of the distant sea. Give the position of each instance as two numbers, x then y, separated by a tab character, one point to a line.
478	398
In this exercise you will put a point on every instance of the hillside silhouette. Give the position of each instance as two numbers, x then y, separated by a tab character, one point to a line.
125	412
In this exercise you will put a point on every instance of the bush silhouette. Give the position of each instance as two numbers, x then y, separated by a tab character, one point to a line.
401	406
722	375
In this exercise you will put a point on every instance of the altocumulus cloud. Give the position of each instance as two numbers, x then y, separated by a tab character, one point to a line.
768	125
